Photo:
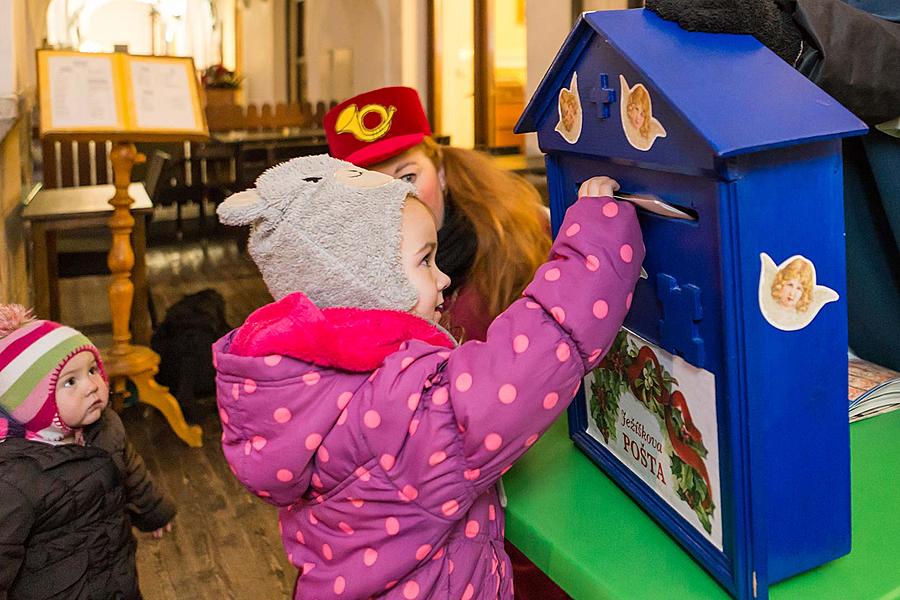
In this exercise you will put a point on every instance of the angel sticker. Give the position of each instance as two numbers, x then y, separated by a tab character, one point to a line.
636	110
789	298
569	125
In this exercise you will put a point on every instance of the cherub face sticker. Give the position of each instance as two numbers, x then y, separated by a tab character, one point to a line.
636	110
789	298
569	104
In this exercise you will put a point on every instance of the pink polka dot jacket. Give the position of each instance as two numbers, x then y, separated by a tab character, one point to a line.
382	444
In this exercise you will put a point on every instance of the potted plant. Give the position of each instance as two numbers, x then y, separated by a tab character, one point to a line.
221	85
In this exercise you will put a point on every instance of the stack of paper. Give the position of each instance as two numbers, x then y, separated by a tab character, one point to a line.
872	389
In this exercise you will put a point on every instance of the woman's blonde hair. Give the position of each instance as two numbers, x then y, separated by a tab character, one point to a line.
796	269
640	97
509	218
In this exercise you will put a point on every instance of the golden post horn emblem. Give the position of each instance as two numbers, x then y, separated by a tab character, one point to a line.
350	120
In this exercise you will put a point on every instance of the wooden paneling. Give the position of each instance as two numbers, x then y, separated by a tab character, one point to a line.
252	117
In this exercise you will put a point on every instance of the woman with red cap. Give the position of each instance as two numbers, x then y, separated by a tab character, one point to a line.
493	230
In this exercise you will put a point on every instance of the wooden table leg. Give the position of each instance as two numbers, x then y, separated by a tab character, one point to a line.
53	275
40	270
239	166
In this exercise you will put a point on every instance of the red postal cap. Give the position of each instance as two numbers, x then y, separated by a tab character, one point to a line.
376	125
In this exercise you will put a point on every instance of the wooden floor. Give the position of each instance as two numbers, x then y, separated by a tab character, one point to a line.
225	542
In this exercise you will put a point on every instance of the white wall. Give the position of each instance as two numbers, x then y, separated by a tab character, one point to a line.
547	25
279	58
226	10
177	28
414	48
590	5
382	40
456	106
509	42
264	51
16	58
7	49
126	23
20	25
357	45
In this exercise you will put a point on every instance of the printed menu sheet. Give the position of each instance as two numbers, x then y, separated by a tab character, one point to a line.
118	94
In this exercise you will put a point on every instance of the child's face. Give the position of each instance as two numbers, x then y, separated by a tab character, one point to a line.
418	245
790	293
636	115
416	168
81	393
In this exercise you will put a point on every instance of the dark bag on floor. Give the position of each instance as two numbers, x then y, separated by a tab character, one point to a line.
183	341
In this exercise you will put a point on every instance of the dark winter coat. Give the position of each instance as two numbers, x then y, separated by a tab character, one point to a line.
66	514
852	55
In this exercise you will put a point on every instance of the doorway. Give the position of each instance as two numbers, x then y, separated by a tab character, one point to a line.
478	70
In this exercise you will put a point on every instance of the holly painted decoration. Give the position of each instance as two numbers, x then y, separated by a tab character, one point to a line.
634	368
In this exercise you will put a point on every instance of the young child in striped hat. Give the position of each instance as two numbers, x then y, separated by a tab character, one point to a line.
71	485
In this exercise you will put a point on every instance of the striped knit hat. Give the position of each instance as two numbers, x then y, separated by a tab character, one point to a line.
32	354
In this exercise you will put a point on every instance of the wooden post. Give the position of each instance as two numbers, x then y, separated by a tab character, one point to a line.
121	256
124	360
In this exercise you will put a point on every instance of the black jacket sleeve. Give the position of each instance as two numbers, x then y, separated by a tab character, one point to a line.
852	55
16	520
149	508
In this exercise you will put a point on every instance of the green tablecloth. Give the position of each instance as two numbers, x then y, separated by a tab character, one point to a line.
583	531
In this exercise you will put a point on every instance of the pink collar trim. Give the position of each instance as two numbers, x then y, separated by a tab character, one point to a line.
352	339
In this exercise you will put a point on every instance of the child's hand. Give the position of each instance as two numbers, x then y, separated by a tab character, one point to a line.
162	531
598	186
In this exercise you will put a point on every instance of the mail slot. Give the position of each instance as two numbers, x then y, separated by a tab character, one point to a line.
721	407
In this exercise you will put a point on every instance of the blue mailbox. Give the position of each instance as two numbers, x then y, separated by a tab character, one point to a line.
722	406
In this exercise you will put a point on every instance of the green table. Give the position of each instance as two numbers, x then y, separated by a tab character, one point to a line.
582	530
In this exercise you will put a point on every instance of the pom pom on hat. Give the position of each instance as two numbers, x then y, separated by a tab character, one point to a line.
12	317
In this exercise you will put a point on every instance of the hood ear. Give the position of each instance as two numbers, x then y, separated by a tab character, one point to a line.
243	208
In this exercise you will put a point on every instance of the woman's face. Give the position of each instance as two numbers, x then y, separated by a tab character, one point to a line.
415	167
636	115
791	292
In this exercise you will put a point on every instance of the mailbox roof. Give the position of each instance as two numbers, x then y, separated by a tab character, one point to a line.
736	93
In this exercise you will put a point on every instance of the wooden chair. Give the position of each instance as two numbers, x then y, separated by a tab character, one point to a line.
83	252
225	118
72	163
155	168
254	117
192	172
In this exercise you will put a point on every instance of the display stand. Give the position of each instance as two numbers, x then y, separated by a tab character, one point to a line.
126	99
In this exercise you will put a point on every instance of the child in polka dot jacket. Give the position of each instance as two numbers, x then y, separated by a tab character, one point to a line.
348	408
